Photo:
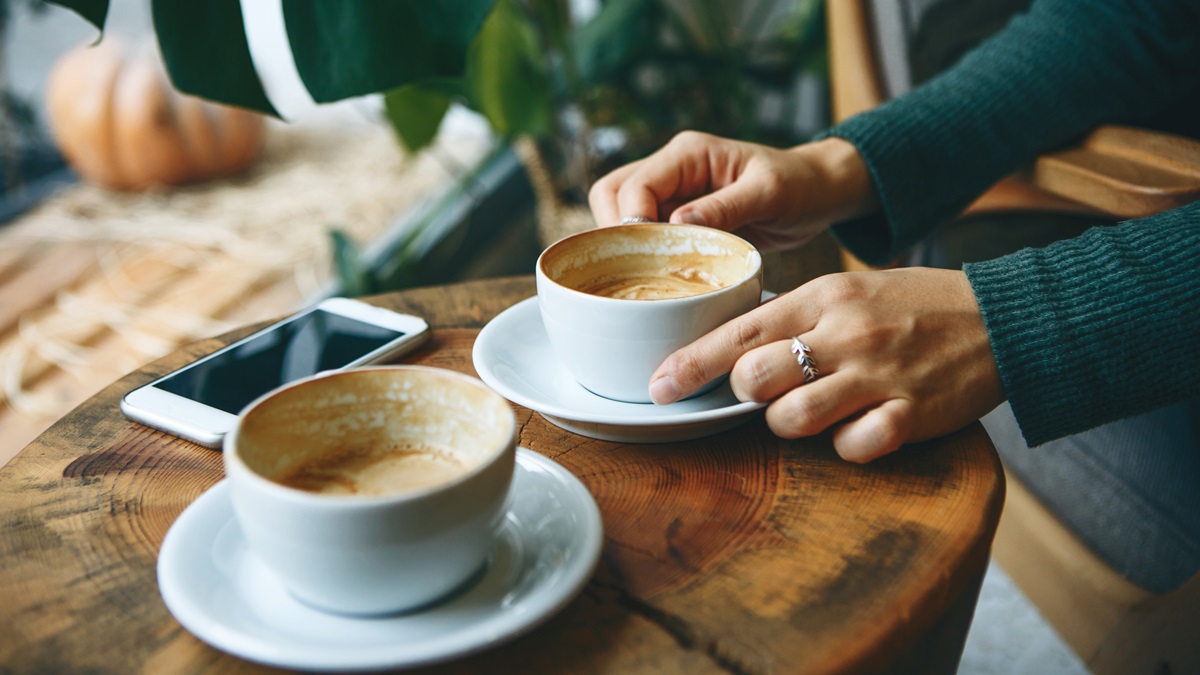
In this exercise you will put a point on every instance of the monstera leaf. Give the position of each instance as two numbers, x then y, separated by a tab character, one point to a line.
95	11
345	49
505	80
527	65
205	49
341	49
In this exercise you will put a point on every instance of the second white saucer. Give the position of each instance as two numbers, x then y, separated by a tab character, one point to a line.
217	589
512	354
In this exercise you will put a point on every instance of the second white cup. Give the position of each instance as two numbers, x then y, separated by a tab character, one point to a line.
375	490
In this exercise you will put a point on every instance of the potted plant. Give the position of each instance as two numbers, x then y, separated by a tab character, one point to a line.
583	90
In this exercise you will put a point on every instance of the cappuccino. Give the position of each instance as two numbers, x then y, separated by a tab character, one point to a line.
649	277
376	471
650	262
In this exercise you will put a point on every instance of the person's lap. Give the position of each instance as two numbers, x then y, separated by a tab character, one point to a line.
1128	489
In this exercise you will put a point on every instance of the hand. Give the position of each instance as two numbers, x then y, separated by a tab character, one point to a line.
773	198
903	356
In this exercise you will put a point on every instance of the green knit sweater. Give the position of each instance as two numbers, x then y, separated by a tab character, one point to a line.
1088	330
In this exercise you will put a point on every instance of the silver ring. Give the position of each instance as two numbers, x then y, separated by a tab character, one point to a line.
805	358
630	220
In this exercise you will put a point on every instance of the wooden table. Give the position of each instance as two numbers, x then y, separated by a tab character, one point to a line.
739	553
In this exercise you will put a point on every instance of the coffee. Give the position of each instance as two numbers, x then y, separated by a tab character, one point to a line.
648	277
650	262
376	471
374	432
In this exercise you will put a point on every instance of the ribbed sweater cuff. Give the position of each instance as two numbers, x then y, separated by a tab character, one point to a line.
1096	328
871	238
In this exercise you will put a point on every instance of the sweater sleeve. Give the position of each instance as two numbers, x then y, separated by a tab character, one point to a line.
1051	75
1099	327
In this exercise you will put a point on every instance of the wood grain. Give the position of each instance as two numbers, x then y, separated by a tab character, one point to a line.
853	68
1125	172
739	553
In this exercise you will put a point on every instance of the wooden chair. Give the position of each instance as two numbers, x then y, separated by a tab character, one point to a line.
1114	625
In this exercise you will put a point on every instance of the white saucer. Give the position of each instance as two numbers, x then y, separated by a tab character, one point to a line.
220	592
513	356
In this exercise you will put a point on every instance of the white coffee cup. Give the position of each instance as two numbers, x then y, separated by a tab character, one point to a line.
431	455
617	301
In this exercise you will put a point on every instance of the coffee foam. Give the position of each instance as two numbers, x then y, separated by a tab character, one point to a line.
375	416
650	262
656	279
376	471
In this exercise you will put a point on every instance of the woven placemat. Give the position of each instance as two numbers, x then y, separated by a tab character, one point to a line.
271	223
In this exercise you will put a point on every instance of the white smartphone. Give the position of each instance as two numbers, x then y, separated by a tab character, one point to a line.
201	401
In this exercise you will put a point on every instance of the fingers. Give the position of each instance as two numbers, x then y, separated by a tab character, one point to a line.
811	408
715	354
864	428
651	184
879	431
652	188
870	418
868	423
770	371
740	203
679	170
837	396
904	356
602	198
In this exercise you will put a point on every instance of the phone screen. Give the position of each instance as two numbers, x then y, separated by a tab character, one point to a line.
304	346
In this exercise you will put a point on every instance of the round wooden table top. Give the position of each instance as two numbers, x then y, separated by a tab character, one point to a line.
739	552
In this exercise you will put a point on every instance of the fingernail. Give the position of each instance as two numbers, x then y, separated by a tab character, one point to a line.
687	218
664	391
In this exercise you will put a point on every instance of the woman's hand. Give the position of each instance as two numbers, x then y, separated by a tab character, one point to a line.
773	198
903	356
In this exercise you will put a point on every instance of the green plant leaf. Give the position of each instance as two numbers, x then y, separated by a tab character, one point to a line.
345	49
353	273
614	38
416	112
205	49
506	78
95	11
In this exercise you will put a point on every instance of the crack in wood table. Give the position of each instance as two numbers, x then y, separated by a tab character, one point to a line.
736	553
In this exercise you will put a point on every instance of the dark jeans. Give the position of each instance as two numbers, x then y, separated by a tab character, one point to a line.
1130	489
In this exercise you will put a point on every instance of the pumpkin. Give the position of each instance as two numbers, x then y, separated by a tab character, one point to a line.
119	123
